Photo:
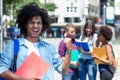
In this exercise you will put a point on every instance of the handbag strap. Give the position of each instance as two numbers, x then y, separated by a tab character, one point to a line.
113	54
112	51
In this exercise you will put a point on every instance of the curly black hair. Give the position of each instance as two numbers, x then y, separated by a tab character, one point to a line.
106	32
27	13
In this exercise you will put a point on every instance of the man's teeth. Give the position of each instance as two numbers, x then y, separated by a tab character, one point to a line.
35	30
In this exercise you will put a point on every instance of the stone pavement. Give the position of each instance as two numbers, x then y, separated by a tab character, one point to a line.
55	42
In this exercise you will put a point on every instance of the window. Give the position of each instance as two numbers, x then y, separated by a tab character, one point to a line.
54	20
67	19
77	19
67	9
72	19
75	9
71	9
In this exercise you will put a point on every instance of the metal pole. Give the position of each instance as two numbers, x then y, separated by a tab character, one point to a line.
82	16
104	14
72	18
83	23
1	25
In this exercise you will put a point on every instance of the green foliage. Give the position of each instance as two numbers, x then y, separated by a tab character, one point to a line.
10	23
9	4
14	5
11	7
49	6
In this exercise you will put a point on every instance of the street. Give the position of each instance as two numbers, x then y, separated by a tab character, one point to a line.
55	42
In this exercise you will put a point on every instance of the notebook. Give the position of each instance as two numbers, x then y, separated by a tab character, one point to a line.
33	67
84	45
101	53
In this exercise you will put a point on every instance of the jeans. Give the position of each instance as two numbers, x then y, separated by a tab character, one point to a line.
70	76
87	66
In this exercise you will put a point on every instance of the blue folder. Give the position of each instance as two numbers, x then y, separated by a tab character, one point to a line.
84	45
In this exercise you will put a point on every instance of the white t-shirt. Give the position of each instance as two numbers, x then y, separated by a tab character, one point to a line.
90	44
33	47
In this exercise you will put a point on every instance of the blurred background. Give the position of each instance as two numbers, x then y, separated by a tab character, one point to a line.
102	12
61	12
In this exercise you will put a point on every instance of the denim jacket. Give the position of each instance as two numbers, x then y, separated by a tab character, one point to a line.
46	51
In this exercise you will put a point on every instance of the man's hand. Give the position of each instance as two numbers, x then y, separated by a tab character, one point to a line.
8	75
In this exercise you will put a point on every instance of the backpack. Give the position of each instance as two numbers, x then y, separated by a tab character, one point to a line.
16	50
113	67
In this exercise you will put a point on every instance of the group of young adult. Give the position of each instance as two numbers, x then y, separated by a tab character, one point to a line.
71	61
84	60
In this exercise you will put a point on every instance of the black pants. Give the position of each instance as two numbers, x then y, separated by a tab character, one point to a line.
106	75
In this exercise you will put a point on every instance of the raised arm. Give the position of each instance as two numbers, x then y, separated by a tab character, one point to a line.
66	62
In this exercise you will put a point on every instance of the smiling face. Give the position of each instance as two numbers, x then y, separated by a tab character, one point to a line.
34	28
71	32
89	30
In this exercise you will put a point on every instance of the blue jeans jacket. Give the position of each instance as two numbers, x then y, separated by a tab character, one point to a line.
46	51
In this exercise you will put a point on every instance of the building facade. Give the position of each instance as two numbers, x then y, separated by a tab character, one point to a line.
71	11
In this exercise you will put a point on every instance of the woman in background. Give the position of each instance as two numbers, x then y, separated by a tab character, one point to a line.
86	61
104	36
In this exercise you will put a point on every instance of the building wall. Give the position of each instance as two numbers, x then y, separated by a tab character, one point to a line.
67	8
91	8
72	11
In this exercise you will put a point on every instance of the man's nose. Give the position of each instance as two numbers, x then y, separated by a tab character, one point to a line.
35	25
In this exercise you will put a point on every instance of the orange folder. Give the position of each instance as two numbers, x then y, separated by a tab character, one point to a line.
33	67
100	52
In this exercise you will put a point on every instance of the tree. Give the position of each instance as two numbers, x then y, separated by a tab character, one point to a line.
9	4
14	5
10	7
49	6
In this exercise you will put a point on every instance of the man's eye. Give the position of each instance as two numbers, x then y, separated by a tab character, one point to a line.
39	23
31	22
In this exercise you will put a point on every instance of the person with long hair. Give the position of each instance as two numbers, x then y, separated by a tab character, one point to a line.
86	61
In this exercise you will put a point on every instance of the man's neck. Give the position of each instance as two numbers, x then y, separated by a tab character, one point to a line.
33	40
